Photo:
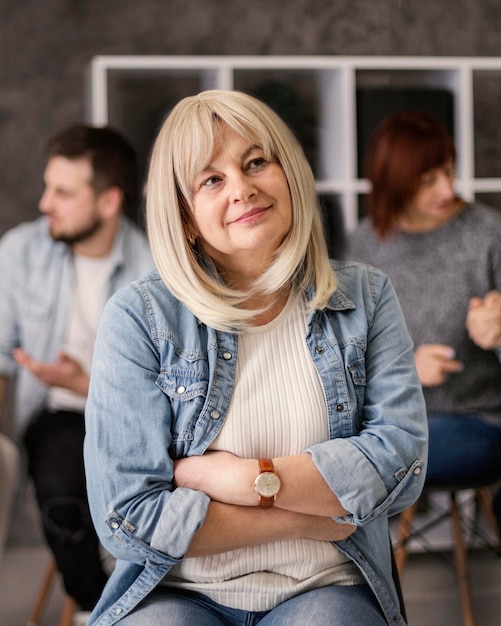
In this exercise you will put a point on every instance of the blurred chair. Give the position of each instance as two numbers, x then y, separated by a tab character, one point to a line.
396	579
9	475
69	605
466	531
70	612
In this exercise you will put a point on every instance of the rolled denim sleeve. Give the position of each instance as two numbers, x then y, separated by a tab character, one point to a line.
128	435
380	469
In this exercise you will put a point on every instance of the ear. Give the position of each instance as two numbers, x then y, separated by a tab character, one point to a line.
110	202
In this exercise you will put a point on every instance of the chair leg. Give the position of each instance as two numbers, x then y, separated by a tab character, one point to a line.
68	611
483	497
69	604
43	594
461	555
404	532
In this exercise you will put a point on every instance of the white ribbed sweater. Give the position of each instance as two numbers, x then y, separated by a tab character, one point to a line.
278	409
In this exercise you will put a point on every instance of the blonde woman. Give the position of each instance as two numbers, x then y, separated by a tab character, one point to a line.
254	414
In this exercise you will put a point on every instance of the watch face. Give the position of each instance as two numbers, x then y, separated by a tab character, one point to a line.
267	484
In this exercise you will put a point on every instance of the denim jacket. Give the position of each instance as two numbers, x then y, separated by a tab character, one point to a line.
36	283
160	389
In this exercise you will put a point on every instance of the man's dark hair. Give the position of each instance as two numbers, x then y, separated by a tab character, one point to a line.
112	158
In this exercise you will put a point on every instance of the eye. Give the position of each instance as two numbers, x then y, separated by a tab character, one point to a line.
450	171
429	178
211	181
257	163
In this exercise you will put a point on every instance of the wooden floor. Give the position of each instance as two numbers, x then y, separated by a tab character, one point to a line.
429	586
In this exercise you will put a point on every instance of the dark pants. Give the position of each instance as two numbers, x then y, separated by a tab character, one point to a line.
54	444
465	450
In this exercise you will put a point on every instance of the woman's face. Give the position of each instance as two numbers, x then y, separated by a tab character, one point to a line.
434	202
242	207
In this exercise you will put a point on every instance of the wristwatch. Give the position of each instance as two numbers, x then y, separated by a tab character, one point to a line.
267	484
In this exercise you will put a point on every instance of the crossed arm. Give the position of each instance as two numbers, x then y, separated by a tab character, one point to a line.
304	506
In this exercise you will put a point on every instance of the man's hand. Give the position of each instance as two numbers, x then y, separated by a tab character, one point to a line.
483	321
434	362
65	372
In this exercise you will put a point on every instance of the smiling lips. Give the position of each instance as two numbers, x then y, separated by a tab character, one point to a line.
249	215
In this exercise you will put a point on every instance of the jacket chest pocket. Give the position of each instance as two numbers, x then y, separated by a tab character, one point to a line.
358	378
186	390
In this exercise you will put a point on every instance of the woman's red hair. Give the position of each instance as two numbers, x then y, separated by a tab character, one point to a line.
401	149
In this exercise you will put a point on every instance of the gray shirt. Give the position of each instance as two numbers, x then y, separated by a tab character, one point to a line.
435	274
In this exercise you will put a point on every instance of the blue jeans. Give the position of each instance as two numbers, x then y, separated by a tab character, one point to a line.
334	605
463	449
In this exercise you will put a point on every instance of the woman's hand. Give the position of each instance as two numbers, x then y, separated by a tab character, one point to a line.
326	529
483	321
434	362
223	476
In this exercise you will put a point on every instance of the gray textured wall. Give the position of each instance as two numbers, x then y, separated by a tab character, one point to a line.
45	46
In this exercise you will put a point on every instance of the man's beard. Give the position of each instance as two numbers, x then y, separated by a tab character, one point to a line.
81	235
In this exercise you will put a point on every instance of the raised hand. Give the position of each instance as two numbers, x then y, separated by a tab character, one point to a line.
483	321
434	362
65	372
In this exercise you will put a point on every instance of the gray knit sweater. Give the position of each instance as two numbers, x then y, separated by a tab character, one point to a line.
435	274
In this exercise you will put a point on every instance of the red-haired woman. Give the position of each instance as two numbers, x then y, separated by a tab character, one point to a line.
443	256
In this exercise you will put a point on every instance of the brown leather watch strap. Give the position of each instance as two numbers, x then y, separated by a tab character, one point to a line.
266	503
266	465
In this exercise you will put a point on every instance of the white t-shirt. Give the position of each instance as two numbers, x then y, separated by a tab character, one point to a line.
91	291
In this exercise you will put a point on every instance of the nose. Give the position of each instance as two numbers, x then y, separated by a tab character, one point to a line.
44	202
242	188
445	185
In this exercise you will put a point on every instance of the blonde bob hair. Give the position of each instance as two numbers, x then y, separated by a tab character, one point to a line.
183	148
